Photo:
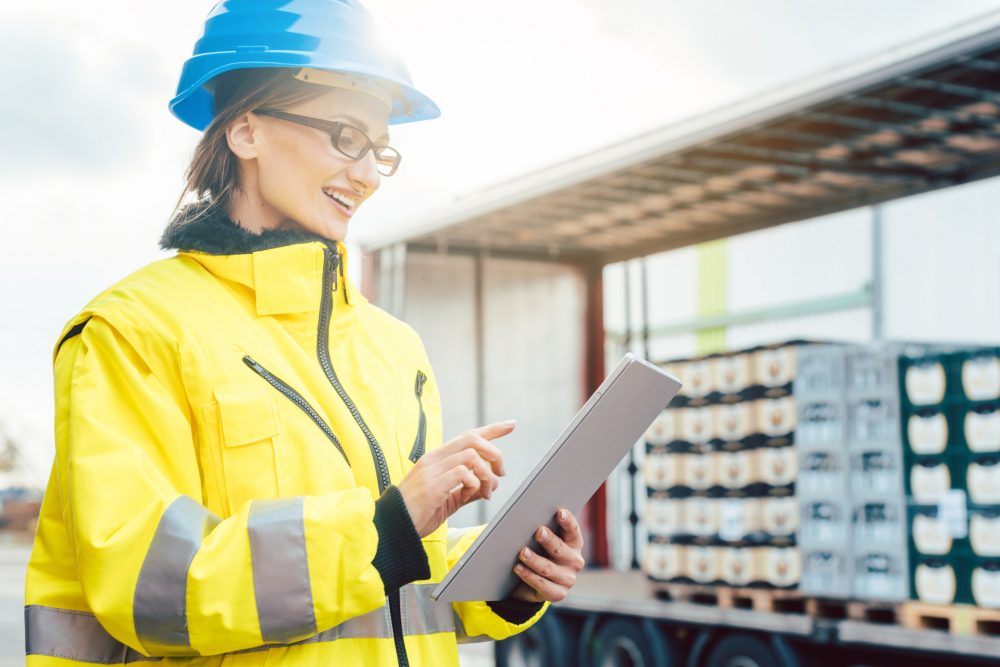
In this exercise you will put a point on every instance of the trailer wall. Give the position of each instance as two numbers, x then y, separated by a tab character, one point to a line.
523	360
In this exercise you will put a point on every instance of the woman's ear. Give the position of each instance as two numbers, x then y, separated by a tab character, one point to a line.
242	137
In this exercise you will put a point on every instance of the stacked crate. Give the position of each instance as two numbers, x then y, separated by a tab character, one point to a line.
879	558
975	415
939	553
951	438
720	472
824	467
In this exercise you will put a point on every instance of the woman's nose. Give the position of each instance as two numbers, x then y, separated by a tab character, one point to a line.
363	172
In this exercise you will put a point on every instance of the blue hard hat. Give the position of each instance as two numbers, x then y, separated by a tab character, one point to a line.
339	35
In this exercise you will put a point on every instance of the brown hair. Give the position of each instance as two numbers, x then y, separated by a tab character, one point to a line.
213	176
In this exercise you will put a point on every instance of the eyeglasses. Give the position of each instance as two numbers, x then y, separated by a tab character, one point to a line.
348	140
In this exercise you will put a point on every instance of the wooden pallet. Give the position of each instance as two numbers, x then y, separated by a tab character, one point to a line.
778	601
956	619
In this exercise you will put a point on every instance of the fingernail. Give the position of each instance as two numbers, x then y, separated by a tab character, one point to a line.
519	567
527	552
542	534
510	422
562	515
503	473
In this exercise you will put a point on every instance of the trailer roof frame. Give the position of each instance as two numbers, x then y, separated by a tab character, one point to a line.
919	117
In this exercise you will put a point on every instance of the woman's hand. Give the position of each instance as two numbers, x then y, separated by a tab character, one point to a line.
452	476
549	579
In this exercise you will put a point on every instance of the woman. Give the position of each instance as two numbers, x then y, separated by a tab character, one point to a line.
248	465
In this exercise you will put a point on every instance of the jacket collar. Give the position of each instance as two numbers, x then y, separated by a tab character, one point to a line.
283	267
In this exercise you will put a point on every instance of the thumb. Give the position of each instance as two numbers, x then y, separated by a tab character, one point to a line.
494	431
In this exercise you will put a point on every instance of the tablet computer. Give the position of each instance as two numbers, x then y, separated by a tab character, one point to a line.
587	451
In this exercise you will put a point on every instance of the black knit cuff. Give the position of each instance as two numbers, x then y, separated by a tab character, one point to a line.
400	557
515	611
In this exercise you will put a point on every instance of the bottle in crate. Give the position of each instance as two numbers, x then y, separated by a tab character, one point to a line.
776	419
778	469
978	427
779	519
980	474
929	478
924	379
732	377
975	375
984	531
926	432
774	371
665	561
985	582
939	555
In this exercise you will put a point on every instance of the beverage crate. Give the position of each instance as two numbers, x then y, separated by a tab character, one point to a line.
820	371
826	571
880	574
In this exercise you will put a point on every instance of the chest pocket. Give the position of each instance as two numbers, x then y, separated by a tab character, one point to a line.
248	446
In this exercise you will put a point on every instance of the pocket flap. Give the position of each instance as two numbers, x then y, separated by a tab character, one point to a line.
247	414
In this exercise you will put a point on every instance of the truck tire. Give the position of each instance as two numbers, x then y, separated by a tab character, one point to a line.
741	650
547	643
630	643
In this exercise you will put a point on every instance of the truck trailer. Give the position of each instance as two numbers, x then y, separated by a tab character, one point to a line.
507	290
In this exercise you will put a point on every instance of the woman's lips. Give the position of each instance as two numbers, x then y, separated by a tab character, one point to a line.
344	211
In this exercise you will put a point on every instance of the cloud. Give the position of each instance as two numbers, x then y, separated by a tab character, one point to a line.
63	113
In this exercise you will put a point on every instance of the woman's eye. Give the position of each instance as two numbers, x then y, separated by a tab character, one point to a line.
350	143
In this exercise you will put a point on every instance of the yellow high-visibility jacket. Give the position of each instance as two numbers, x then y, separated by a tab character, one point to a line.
229	425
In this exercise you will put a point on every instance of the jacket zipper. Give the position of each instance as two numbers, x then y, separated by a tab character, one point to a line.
331	260
297	399
418	444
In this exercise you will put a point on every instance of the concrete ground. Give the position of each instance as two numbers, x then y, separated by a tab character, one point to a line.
14	561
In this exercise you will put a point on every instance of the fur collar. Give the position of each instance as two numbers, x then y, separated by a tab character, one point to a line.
197	228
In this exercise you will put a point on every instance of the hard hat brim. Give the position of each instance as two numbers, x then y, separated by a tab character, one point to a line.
194	104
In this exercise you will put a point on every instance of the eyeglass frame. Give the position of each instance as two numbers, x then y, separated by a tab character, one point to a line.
334	129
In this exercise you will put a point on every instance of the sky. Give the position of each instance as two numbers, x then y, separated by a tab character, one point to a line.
91	161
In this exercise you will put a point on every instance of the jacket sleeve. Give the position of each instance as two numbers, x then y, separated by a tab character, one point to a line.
161	572
482	621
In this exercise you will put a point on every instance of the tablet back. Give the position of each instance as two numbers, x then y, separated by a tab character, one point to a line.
583	456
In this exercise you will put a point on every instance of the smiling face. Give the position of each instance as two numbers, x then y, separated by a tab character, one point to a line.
292	177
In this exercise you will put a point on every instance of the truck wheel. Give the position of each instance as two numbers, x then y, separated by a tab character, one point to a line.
547	643
626	643
741	650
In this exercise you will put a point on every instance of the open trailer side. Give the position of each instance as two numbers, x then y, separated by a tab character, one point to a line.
506	289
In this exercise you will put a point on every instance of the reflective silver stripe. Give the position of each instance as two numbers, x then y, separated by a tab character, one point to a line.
281	570
160	606
75	635
78	635
373	625
421	615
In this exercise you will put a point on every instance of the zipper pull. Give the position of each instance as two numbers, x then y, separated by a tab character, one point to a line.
421	379
254	365
332	270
